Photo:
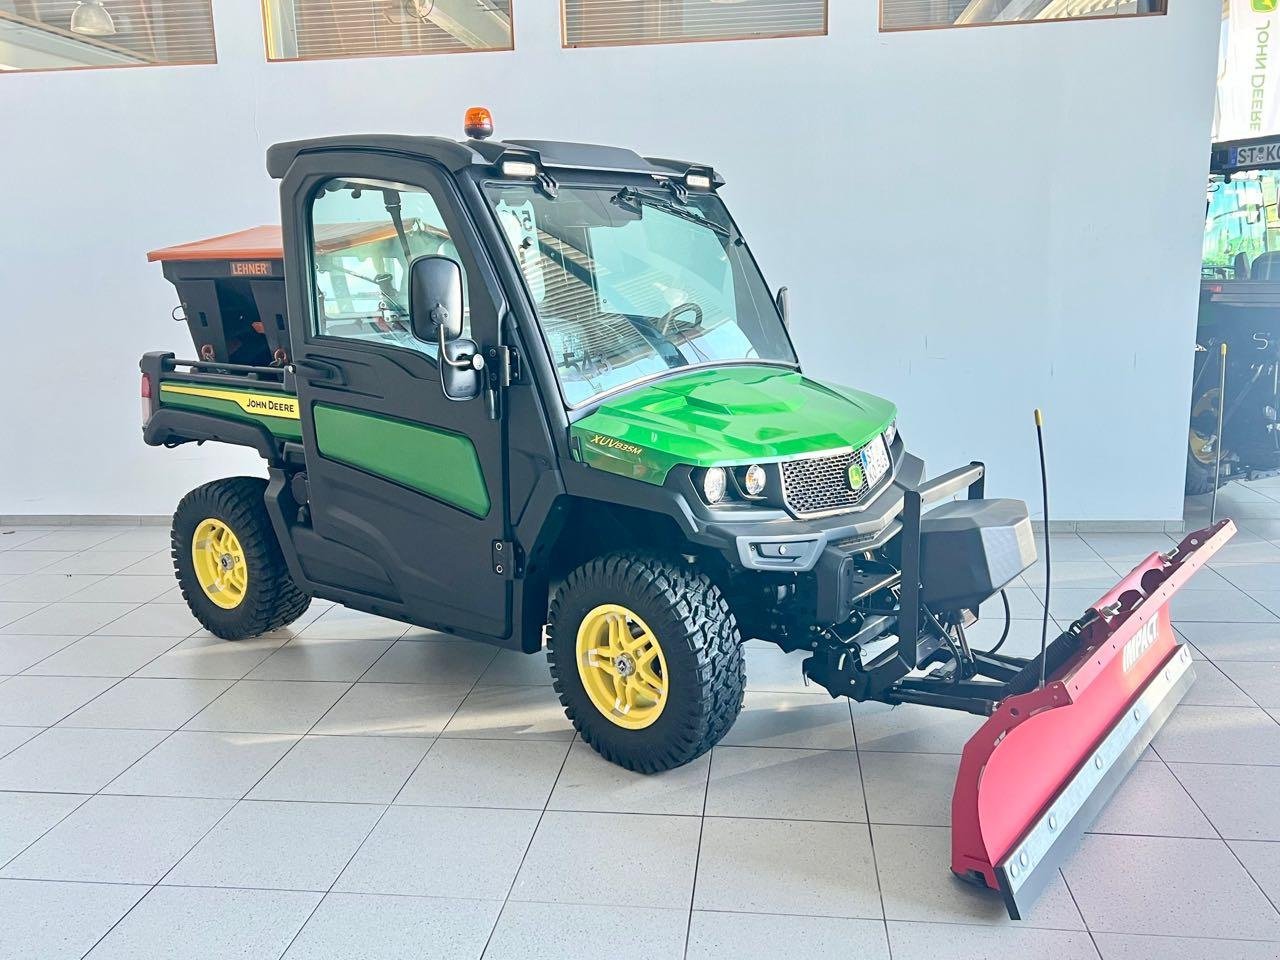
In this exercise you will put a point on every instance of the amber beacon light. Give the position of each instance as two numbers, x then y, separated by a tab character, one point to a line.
478	123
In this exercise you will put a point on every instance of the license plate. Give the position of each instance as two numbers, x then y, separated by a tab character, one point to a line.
875	461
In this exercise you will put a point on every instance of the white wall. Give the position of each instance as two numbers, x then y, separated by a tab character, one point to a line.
972	222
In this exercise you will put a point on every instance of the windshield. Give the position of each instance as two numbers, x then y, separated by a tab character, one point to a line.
1242	229
630	284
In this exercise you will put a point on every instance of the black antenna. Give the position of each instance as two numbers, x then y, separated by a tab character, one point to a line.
1044	493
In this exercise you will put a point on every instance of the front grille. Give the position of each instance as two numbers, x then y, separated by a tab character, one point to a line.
816	485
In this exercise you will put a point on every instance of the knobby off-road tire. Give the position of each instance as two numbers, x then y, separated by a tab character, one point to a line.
268	598
1199	477
700	647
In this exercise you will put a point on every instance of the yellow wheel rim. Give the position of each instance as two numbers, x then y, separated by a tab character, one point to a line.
1204	449
219	563
622	667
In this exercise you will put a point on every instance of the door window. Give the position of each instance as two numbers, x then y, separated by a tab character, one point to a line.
365	233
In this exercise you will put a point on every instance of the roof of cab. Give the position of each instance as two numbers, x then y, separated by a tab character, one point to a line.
458	155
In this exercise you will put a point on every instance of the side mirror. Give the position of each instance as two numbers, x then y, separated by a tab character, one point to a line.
435	299
783	302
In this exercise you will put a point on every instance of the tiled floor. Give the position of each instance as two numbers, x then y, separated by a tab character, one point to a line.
353	788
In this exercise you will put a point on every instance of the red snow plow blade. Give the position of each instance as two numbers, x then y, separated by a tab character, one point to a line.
1036	774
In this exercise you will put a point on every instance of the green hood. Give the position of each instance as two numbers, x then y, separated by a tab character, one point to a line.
726	416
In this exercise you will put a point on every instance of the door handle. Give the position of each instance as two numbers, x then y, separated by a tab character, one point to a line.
315	370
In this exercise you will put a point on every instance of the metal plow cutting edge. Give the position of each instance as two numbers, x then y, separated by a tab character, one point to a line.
1037	773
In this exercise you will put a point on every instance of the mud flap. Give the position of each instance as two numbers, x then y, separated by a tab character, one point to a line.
1037	773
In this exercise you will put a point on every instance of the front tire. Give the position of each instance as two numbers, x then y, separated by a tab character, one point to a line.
647	660
228	561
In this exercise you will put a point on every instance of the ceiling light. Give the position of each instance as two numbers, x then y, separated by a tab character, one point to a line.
91	19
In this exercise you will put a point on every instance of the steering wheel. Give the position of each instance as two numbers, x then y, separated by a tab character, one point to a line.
665	321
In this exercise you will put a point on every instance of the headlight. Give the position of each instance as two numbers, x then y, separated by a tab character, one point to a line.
891	433
713	484
753	480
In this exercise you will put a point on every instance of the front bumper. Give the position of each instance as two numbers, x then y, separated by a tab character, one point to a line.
796	546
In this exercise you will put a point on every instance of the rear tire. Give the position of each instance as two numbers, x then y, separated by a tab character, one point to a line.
250	592
699	648
1199	477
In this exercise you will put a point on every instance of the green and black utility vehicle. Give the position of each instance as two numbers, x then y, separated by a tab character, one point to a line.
539	394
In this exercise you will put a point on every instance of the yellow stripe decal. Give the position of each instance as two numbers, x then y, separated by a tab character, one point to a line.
259	404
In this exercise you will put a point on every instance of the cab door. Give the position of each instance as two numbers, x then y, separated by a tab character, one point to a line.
405	487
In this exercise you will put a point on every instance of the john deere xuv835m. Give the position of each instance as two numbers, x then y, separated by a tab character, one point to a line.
539	394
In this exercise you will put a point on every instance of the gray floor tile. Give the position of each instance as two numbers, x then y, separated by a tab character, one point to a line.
924	941
513	668
13	737
772	670
210	658
433	661
124	589
157	564
353	625
343	769
486	773
118	840
269	706
392	710
914	864
71	618
48	587
74	539
1239	800
98	656
198	764
150	536
666	850
1219	606
1096	576
1124	946
25	816
31	561
811	721
148	704
1213	688
350	925
43	701
202	924
1219	735
1152	802
12	537
1024	604
69	760
755	936
11	611
1251	577
1261	681
1175	887
153	620
59	921
441	851
785	783
19	652
567	931
1234	641
911	729
322	658
591	783
1126	548
1262	860
278	846
106	562
787	866
510	713
1073	547
909	788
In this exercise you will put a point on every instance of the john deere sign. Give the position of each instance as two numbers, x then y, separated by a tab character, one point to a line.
1249	81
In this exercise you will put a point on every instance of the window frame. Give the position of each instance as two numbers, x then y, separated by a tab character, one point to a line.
1162	12
373	54
565	43
99	43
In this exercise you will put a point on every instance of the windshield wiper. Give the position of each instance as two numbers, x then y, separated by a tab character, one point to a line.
633	199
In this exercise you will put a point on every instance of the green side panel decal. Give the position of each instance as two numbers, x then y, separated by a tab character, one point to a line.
726	416
282	427
436	462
